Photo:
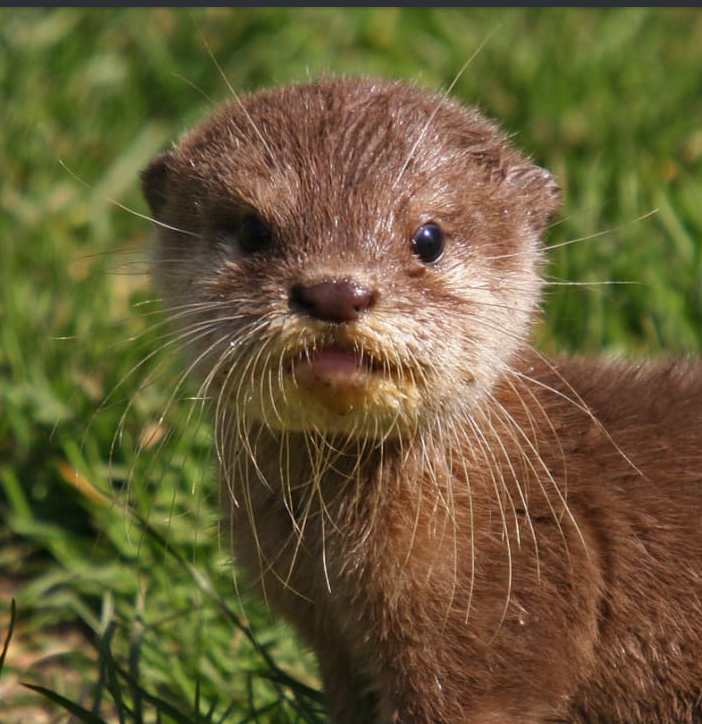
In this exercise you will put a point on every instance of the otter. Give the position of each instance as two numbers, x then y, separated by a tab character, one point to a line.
463	530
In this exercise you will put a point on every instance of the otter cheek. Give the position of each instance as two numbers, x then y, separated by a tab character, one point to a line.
334	378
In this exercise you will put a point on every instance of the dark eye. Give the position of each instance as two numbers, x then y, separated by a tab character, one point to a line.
428	243
253	234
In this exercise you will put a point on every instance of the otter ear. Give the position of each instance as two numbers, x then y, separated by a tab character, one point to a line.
154	182
541	189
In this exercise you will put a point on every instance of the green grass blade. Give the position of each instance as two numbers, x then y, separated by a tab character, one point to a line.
78	711
8	637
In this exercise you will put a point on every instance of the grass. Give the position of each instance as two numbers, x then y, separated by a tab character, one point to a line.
107	512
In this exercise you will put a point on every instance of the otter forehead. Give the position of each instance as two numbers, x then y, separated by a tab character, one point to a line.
348	142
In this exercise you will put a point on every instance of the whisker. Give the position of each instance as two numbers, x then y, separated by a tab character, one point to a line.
447	93
129	210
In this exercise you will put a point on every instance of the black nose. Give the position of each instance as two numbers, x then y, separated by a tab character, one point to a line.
332	300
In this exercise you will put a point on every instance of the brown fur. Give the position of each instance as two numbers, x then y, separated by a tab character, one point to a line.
484	535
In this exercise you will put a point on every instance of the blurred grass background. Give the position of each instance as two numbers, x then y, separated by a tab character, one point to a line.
608	99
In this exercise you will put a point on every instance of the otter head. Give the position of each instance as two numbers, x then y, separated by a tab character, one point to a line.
348	256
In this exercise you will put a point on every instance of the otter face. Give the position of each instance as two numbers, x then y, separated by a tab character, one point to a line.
344	256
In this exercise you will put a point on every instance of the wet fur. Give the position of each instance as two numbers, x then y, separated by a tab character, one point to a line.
493	536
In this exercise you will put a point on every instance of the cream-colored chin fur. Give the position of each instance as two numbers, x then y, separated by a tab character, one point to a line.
375	406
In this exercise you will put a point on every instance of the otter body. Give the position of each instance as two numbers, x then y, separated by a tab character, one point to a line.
462	529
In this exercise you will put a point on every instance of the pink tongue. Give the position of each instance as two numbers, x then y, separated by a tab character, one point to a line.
326	365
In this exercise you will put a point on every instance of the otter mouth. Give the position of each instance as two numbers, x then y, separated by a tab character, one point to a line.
339	378
334	364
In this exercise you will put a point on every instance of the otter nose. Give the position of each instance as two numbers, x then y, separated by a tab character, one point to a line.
332	300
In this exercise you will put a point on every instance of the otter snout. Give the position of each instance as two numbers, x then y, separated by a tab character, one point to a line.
332	300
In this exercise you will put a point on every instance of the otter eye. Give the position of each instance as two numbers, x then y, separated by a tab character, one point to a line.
428	243
253	234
